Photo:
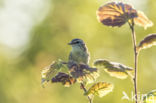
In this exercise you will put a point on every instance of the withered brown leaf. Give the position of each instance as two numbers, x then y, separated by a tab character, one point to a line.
63	78
50	71
142	20
114	69
115	14
147	42
83	73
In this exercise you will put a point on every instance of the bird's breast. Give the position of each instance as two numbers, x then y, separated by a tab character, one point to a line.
80	57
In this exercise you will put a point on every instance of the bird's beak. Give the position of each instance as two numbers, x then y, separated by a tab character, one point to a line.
70	43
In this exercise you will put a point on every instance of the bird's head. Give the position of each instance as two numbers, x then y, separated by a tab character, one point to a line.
77	43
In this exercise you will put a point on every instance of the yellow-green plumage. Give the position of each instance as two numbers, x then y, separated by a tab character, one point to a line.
79	53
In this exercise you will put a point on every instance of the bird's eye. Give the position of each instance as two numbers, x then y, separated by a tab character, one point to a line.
77	42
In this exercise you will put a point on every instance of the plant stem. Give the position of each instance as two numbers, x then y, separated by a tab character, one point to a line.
84	89
135	59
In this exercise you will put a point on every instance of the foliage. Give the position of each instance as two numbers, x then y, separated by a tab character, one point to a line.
84	73
117	14
81	73
142	20
50	71
100	89
114	69
63	78
150	97
148	42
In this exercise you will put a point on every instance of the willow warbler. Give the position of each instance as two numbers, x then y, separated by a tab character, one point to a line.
79	53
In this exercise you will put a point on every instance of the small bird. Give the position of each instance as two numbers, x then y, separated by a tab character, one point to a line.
79	53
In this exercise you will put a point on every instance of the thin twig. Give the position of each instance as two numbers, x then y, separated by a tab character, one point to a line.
135	59
84	89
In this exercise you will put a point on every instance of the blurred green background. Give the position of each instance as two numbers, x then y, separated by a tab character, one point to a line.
34	33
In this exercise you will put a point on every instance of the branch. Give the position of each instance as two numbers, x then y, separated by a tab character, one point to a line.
135	59
84	89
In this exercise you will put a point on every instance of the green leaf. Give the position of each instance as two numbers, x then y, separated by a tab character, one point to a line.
115	14
63	78
150	97
114	69
142	20
83	73
100	89
50	71
148	42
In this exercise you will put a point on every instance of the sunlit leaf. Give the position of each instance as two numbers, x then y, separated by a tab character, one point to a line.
83	73
100	89
114	69
63	78
148	42
150	97
142	20
115	14
50	71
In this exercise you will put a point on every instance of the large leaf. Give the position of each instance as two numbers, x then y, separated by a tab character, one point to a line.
83	73
118	13
148	42
63	78
100	89
115	14
114	69
150	97
51	70
142	20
